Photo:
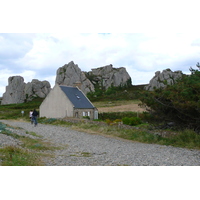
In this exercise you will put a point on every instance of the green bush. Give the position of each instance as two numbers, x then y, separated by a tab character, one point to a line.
86	117
126	120
116	115
132	121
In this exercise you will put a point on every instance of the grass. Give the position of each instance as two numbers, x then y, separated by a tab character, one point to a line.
29	153
13	111
186	139
81	154
15	156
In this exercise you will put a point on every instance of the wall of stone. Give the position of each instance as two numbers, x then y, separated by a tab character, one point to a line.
80	113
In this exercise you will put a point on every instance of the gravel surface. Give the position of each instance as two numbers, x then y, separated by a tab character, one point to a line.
82	149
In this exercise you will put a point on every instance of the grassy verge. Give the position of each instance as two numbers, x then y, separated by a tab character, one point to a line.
15	156
186	139
141	133
29	153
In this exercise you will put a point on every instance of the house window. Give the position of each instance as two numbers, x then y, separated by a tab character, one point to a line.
85	114
77	96
89	113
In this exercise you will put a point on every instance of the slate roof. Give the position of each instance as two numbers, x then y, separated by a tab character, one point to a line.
78	99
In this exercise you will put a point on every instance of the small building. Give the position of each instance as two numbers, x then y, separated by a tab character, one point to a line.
66	101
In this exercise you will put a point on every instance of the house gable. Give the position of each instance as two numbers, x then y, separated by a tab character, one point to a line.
56	104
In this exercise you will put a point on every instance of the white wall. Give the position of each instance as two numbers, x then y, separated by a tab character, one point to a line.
56	104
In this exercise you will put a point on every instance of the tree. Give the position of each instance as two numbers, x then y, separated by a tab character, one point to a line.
179	103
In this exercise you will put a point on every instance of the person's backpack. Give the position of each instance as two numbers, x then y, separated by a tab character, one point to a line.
35	113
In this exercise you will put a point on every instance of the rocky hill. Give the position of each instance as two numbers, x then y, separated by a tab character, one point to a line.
108	76
18	91
162	79
70	74
105	77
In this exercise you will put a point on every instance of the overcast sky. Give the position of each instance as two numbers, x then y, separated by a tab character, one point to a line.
39	54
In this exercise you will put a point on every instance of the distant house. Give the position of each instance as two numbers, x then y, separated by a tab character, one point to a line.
66	101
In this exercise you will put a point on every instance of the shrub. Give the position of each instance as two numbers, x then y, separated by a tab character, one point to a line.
117	121
108	121
116	115
132	121
86	117
126	120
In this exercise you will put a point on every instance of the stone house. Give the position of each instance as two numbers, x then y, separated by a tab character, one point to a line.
67	101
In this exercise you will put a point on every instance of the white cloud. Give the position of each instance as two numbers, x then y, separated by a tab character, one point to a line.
28	75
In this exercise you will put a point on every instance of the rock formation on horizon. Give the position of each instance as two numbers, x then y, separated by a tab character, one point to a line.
108	76
37	88
70	74
18	91
161	80
14	91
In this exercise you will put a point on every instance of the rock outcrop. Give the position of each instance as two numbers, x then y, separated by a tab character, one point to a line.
37	88
161	80
71	75
107	76
18	91
14	91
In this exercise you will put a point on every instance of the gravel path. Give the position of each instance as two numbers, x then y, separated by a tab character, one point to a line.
82	149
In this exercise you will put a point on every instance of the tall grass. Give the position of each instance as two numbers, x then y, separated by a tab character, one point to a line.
29	153
186	139
15	156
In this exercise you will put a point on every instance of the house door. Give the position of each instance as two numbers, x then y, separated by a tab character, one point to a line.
95	114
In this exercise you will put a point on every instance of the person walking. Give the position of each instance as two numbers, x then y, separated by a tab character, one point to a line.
30	115
34	117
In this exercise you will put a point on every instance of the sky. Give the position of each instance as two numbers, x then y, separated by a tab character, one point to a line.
144	38
39	55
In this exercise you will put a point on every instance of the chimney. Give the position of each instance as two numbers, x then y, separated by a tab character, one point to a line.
77	84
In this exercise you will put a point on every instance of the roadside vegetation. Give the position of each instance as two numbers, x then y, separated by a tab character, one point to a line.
144	132
28	153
